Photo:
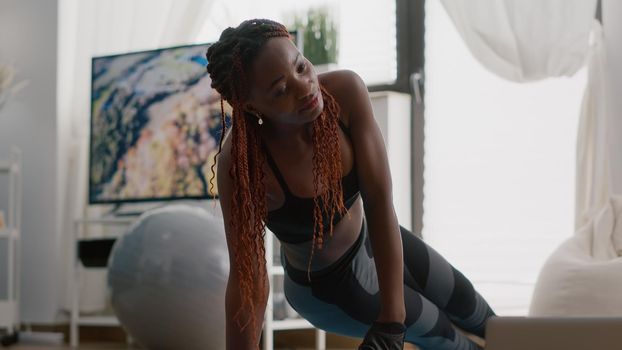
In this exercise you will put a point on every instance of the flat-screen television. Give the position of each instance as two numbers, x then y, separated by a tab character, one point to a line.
155	126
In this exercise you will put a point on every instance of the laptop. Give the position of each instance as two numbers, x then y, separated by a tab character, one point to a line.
554	333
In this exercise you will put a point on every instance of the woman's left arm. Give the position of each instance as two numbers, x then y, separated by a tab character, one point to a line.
376	189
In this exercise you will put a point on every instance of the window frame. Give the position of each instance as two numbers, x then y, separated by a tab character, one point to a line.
410	32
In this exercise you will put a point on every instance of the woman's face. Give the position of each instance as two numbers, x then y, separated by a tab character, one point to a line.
283	84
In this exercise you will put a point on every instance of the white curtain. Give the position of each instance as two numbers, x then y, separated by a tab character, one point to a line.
525	40
529	40
90	28
593	181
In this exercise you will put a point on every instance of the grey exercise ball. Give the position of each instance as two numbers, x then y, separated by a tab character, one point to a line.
167	278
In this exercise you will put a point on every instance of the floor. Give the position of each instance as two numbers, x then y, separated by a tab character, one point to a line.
285	340
93	346
118	346
113	338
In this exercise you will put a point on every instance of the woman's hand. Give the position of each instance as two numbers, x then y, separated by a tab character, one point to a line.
384	336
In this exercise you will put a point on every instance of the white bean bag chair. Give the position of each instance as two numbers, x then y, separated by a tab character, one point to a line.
583	276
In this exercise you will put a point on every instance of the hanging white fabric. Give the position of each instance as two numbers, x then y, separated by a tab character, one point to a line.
528	40
593	182
525	40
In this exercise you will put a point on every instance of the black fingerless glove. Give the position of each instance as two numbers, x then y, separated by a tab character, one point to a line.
384	336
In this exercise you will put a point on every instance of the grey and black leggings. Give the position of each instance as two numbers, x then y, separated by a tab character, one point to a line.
343	298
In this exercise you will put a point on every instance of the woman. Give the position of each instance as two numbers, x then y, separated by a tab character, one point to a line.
306	158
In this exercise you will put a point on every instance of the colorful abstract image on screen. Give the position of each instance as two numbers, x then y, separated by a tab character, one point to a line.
155	126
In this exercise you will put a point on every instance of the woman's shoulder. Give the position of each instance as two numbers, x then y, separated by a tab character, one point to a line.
341	83
344	85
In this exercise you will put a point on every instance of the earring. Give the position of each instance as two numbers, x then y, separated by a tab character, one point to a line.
259	120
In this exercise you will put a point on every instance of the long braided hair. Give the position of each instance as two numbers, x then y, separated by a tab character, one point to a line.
229	61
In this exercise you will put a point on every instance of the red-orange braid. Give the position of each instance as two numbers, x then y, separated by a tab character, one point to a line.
228	60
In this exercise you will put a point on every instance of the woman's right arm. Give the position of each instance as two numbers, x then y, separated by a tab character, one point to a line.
236	338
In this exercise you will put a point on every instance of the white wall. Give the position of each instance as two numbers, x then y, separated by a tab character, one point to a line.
612	20
28	38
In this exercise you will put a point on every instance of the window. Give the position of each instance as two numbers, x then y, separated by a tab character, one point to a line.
367	30
499	167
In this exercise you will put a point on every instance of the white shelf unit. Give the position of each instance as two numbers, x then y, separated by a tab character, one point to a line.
78	320
270	324
392	113
9	307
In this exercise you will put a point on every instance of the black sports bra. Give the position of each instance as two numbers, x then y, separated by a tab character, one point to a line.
293	221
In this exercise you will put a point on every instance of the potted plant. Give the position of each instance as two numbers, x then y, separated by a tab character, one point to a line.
8	87
318	32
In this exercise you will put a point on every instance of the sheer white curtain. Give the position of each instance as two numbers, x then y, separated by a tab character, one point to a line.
499	189
525	40
90	28
529	40
594	175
